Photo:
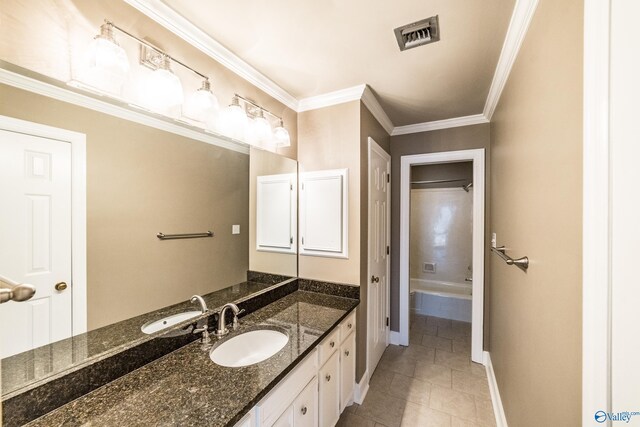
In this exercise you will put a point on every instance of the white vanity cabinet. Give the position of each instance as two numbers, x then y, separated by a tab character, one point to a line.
316	392
330	391
347	370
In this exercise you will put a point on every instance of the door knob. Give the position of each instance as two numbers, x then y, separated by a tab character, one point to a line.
61	286
375	279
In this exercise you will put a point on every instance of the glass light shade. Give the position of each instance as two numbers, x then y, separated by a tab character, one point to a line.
107	65
162	90
281	137
261	129
202	106
233	122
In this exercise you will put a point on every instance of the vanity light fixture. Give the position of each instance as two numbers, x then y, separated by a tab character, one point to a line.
258	130
261	128
107	62
233	120
162	89
281	136
202	105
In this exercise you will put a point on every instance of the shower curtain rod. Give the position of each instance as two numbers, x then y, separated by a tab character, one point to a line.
437	181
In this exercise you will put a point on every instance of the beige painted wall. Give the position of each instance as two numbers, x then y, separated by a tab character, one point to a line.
461	138
141	181
536	207
51	38
266	163
332	138
328	139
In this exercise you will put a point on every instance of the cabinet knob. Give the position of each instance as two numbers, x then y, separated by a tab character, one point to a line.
349	325
328	377
346	352
304	410
332	344
375	279
61	286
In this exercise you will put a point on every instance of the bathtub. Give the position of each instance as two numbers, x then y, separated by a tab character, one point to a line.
441	299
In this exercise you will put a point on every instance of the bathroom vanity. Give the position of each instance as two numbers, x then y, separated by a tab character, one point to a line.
307	383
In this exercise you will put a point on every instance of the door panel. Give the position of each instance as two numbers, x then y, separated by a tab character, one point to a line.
378	295
35	182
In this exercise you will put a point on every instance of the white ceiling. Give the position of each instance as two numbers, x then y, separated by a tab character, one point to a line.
311	48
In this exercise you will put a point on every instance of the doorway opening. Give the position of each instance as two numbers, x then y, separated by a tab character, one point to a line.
442	240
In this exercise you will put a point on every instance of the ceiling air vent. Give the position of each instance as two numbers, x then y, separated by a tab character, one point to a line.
419	33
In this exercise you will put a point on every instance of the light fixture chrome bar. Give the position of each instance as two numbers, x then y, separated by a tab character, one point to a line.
163	236
150	46
258	106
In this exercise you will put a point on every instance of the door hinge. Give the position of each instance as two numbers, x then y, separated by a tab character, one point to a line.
388	177
302	240
291	240
387	249
302	186
291	187
387	321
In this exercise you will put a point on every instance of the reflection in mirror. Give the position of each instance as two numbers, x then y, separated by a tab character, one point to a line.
273	213
140	181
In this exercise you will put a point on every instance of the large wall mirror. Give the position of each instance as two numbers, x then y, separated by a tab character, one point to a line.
140	181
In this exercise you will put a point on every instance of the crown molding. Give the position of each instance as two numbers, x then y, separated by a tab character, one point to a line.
341	96
475	119
68	95
371	102
183	28
518	26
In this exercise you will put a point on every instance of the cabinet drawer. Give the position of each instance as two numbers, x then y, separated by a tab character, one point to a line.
347	370
305	407
283	395
329	401
329	345
348	325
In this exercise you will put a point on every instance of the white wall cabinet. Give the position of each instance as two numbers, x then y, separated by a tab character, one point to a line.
276	213
316	392
324	213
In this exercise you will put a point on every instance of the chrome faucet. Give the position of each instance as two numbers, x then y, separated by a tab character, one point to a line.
222	329
203	305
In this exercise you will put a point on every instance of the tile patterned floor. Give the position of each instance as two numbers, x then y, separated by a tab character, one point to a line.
430	383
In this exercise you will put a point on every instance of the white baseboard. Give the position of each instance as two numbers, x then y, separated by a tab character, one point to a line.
394	338
498	409
361	389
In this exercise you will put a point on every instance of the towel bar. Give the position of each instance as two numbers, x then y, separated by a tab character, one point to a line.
521	263
163	236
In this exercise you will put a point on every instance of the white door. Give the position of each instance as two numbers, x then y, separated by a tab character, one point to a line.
35	225
379	224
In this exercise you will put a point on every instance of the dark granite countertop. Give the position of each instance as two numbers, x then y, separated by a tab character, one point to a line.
30	369
186	388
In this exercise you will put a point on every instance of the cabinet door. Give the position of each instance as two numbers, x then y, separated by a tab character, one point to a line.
286	419
329	379
323	213
305	407
347	370
247	421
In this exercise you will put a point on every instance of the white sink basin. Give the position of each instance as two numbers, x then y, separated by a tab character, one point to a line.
166	322
249	348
